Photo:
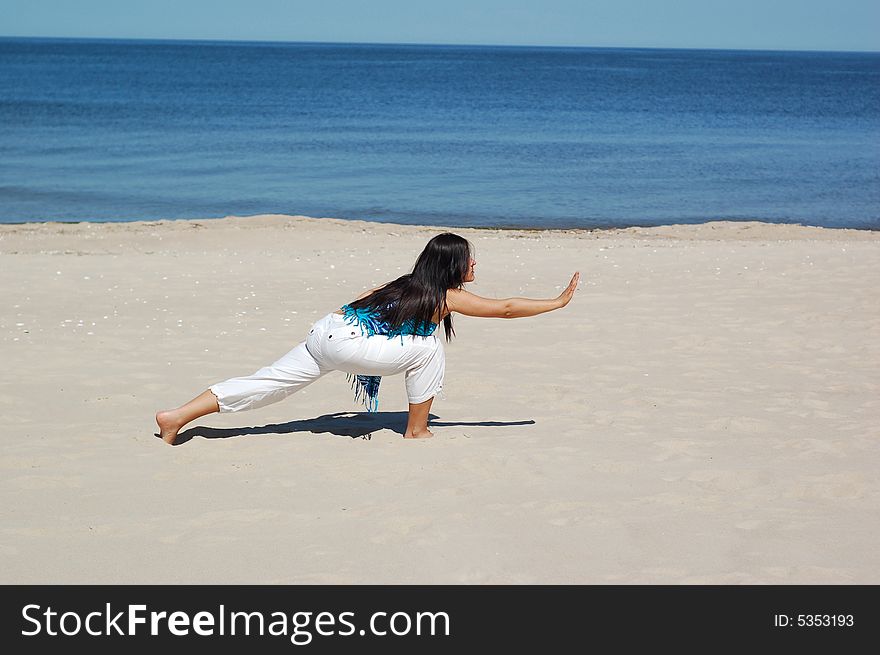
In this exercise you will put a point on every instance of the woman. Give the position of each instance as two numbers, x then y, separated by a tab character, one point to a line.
387	330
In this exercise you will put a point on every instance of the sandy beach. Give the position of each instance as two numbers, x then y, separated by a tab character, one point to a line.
706	409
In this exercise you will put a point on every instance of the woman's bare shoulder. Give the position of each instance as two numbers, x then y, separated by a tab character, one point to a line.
452	295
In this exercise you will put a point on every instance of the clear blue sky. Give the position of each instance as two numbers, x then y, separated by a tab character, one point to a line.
747	24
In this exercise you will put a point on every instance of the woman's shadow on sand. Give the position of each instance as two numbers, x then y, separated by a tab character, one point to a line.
341	424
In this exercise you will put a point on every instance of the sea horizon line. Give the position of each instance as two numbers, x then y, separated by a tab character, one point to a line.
510	46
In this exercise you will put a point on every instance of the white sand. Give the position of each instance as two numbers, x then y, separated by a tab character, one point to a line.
706	410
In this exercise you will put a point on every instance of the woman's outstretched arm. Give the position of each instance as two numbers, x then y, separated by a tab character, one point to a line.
469	304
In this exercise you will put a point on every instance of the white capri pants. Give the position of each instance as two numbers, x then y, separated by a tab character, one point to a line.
334	345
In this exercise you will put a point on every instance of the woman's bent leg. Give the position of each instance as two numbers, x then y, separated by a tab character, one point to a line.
424	380
171	421
417	421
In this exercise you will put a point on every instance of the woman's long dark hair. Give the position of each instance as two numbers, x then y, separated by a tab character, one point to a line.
417	296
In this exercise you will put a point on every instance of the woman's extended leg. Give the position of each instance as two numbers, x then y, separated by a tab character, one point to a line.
172	420
295	370
417	422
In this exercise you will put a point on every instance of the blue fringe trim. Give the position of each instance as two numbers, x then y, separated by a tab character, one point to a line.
366	390
366	319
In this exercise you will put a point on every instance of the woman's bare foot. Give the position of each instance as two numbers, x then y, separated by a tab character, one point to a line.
420	434
172	420
169	426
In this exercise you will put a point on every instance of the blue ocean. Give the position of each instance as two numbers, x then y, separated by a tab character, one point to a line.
105	130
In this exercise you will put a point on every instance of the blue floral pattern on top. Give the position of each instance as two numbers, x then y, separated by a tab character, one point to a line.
371	325
366	387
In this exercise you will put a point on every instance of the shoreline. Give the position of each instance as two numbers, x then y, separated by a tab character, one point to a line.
710	229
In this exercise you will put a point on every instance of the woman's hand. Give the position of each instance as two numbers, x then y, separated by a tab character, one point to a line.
566	296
